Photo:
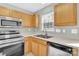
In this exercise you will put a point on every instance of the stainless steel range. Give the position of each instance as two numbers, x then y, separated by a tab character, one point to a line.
11	43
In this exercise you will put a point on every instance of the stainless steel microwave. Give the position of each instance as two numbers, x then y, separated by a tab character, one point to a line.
9	21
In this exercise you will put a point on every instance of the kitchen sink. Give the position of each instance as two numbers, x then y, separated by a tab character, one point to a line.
43	36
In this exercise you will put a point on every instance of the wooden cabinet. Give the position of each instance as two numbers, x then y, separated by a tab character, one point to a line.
27	19
43	50
16	14
65	14
27	45
75	52
4	11
30	21
34	22
38	47
35	48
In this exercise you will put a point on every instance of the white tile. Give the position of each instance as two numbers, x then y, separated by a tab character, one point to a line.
63	30
74	31
58	30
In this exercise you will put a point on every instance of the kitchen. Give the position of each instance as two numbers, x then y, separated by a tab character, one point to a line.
36	29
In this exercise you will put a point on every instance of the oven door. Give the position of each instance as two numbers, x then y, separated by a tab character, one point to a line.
14	50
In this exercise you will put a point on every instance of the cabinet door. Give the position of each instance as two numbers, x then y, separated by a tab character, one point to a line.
4	11
39	47
34	21
29	20
43	51
27	46
26	18
65	14
35	48
75	51
14	13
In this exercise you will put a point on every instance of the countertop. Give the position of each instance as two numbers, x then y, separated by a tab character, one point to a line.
61	40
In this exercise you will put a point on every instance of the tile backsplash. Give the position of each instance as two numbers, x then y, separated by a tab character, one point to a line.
74	31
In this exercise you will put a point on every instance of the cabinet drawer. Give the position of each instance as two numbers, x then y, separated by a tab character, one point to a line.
41	41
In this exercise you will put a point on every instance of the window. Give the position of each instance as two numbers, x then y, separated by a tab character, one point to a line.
47	21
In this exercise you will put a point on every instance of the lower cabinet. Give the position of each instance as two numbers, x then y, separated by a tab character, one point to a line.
27	45
38	47
43	50
74	52
35	48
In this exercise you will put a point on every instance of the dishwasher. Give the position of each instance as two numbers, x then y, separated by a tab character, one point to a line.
55	49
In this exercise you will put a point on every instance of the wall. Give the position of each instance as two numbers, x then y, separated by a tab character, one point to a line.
68	29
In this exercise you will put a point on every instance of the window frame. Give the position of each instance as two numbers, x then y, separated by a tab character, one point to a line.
44	20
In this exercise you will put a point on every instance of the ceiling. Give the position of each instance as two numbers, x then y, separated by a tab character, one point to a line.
31	7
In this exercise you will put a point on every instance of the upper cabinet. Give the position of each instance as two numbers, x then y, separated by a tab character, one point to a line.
34	21
14	13
4	11
65	14
27	19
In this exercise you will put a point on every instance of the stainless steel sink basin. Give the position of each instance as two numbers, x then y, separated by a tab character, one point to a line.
43	36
